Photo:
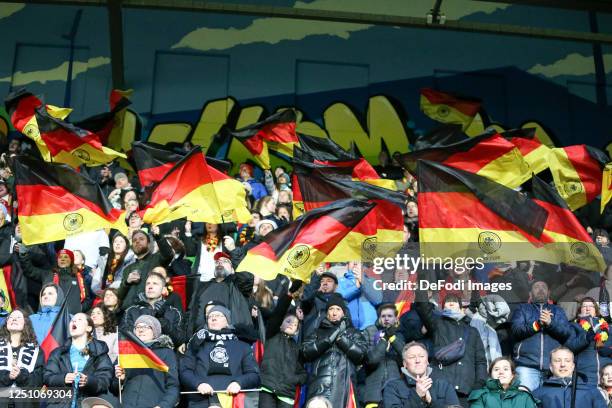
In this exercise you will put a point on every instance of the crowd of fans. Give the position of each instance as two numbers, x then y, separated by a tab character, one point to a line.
330	342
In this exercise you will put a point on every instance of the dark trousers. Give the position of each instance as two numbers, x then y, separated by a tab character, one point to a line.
267	400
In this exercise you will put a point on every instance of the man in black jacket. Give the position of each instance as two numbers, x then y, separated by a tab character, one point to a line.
314	299
151	303
417	387
385	345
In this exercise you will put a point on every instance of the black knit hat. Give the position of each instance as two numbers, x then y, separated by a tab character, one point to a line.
336	299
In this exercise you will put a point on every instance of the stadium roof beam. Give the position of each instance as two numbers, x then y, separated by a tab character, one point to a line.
115	28
349	17
604	6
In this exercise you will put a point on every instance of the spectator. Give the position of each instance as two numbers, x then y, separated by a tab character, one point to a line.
168	293
204	249
105	329
314	300
111	301
151	303
247	232
135	223
502	389
112	263
4	304
83	359
85	271
491	311
65	275
556	391
267	209
538	327
335	348
146	387
262	228
254	189
229	288
591	350
217	360
135	275
385	345
358	290
179	264
23	360
51	299
122	183
464	372
419	386
605	384
89	243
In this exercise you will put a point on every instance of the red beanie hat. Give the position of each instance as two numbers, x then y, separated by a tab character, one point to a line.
66	252
248	168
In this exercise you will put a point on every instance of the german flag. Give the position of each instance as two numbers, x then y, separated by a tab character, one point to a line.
58	141
462	214
231	401
441	136
488	155
566	239
133	353
297	248
55	202
606	187
195	190
534	152
324	148
102	124
577	172
448	108
276	132
320	185
59	333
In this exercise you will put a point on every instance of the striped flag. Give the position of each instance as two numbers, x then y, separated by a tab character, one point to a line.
534	151
577	172
606	187
297	248
59	333
324	148
133	353
448	108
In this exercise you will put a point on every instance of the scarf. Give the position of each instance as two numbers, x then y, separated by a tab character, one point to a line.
211	243
456	316
80	281
28	354
218	358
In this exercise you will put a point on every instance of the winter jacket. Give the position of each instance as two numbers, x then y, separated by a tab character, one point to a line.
145	387
334	362
282	369
494	396
169	317
129	292
557	393
258	190
314	305
533	342
9	259
589	358
383	361
194	366
42	321
112	342
234	292
401	393
25	379
362	301
470	371
98	369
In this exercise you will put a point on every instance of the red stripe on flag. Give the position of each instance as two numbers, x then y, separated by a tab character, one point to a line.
283	132
525	145
469	108
563	221
154	174
589	170
179	284
6	271
480	155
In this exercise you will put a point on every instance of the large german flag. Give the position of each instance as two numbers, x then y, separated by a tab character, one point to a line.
102	124
297	248
276	132
577	172
534	152
58	140
488	155
133	353
320	185
323	148
193	189
55	202
606	187
449	108
566	239
463	214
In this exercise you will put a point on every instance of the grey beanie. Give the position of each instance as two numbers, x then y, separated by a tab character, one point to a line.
152	322
224	310
265	221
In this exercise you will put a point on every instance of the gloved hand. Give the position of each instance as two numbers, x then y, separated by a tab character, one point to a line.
390	331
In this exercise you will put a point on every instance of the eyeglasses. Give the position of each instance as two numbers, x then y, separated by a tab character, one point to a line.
142	327
215	315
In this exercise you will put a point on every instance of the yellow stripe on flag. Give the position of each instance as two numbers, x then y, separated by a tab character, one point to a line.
606	186
225	400
444	113
139	361
509	169
3	286
538	159
289	263
567	180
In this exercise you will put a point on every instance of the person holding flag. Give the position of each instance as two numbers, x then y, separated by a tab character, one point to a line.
145	385
23	362
82	363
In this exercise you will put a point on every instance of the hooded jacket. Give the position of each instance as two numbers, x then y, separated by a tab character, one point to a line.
42	321
401	392
557	393
98	369
494	396
145	387
169	317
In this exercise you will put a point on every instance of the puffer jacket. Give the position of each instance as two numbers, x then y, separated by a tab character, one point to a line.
362	300
532	342
98	369
146	388
383	361
470	372
494	396
557	393
194	366
169	317
334	362
589	358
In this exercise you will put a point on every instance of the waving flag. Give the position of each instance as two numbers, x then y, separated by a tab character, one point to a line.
534	151
59	333
448	108
133	353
